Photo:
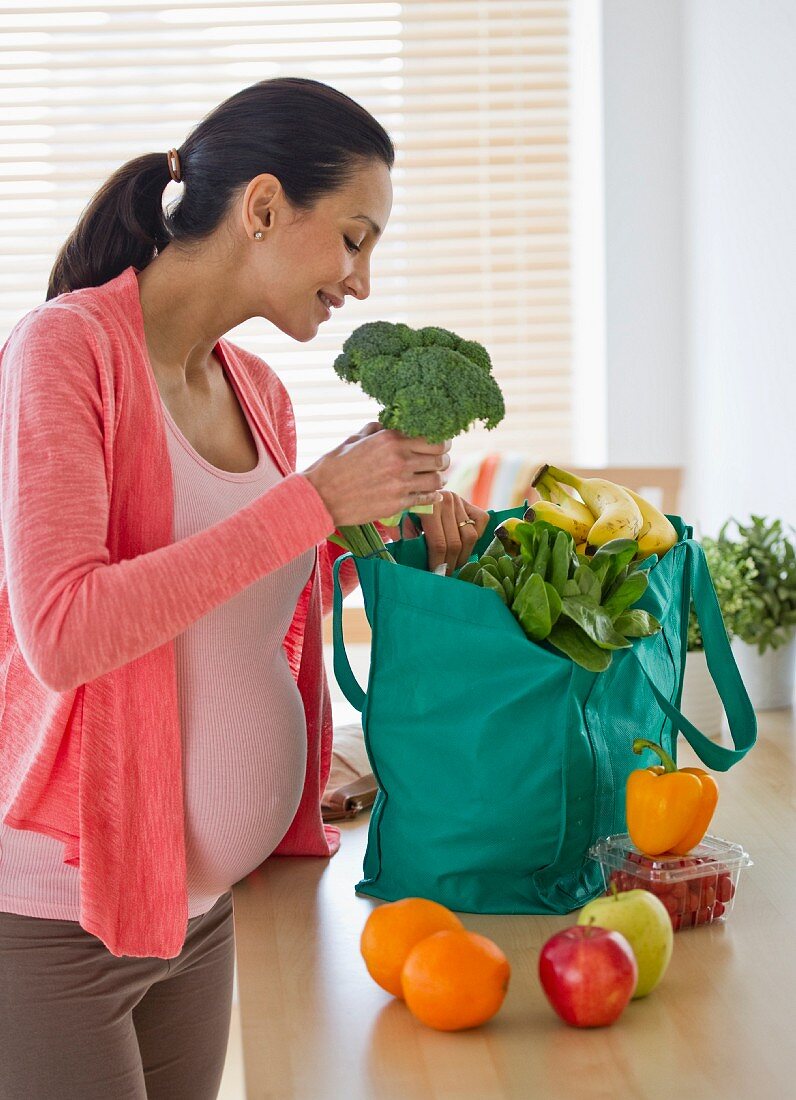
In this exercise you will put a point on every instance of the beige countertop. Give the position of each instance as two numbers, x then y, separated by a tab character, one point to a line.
316	1026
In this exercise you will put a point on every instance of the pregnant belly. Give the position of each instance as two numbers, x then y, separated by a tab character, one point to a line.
244	763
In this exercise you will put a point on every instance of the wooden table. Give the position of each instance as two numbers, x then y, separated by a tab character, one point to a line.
720	1024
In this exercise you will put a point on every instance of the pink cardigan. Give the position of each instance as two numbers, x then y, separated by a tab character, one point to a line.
94	591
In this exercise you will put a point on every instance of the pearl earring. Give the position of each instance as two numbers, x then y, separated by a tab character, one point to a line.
258	236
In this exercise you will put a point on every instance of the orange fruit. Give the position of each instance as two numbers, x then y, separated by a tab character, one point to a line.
392	930
454	980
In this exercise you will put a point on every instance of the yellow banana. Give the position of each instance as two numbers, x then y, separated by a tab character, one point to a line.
549	488
552	513
657	534
505	534
617	514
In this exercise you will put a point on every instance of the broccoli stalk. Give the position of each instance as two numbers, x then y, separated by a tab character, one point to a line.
362	541
430	383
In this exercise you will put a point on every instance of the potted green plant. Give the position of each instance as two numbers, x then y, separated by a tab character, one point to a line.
731	576
764	626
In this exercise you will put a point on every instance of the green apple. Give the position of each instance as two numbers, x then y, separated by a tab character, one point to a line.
644	921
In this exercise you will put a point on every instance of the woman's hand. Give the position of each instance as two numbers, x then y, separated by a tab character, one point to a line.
378	472
451	530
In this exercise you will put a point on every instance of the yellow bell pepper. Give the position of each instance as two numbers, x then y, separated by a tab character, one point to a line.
668	809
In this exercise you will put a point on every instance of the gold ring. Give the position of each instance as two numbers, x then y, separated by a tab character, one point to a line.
466	521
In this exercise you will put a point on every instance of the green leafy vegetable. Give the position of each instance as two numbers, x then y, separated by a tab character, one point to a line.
594	620
637	624
560	597
629	592
542	559
555	602
561	557
489	581
571	640
469	571
617	554
588	583
532	608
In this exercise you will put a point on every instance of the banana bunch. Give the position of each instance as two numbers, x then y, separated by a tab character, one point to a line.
580	605
604	512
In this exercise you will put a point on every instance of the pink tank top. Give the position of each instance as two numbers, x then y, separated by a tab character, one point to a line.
242	717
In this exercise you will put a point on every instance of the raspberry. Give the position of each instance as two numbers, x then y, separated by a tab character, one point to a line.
726	889
672	905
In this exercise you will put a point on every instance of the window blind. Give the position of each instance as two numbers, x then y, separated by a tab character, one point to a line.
475	95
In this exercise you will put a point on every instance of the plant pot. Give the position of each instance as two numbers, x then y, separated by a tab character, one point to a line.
700	701
769	679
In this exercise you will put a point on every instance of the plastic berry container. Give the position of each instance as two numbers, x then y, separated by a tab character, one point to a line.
698	888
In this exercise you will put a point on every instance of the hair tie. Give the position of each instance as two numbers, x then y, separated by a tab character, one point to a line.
173	158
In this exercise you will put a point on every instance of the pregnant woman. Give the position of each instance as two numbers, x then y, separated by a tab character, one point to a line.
165	722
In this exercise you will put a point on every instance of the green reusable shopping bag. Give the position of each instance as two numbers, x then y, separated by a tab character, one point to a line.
499	761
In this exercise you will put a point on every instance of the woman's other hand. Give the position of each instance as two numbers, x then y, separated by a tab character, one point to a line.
449	537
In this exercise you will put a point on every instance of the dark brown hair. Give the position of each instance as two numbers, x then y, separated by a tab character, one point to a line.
309	135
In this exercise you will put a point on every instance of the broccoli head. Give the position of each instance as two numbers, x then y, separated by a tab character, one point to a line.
429	381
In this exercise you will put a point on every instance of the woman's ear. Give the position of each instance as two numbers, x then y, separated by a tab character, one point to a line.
261	198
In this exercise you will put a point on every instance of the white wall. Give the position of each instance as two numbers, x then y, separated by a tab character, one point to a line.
642	103
587	204
699	104
741	228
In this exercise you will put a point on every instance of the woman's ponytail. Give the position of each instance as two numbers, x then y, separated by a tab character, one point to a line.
123	225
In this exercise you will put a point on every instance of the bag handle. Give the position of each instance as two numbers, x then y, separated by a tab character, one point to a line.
723	670
342	667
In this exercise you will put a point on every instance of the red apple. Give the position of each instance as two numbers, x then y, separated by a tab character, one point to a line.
588	974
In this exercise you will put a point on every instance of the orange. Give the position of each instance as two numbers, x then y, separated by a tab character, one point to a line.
454	980
392	930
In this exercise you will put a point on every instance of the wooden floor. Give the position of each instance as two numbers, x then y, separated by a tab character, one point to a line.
315	1026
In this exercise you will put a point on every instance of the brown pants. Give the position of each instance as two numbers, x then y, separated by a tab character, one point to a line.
78	1023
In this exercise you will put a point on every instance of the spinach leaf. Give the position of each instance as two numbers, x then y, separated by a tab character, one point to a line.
532	608
588	584
594	620
571	640
629	592
559	571
637	624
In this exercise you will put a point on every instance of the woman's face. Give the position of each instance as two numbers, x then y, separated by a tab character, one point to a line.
325	251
